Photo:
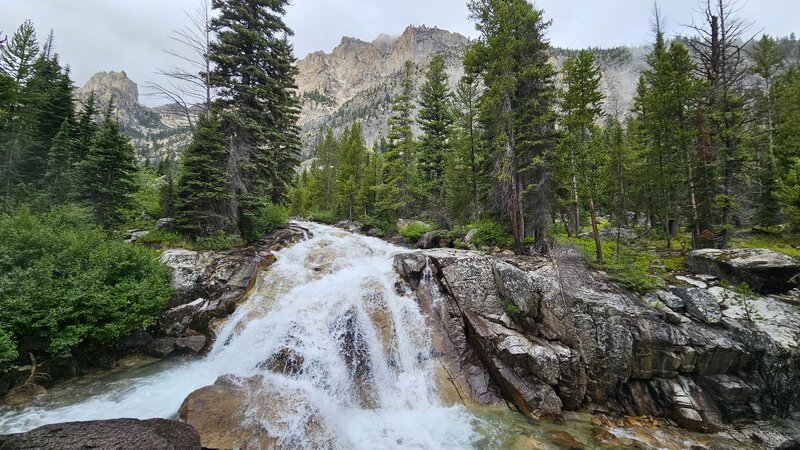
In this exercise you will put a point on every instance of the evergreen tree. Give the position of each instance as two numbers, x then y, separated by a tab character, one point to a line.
254	76
370	181
719	48
47	103
167	192
62	160
581	106
201	188
768	59
400	185
106	178
323	174
20	53
466	151
788	194
435	119
517	114
351	161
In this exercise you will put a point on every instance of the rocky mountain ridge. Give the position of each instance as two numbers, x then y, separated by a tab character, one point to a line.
355	81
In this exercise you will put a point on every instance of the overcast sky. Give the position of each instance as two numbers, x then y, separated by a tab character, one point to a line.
95	35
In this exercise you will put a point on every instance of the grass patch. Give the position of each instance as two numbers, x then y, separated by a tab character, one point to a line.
638	270
786	245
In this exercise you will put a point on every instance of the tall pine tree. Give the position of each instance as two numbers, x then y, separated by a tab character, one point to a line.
254	75
435	118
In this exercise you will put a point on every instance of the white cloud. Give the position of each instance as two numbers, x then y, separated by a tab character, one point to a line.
94	35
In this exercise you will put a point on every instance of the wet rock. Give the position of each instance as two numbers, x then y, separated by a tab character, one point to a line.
121	434
194	344
162	347
763	270
701	304
250	413
564	440
286	361
532	395
24	394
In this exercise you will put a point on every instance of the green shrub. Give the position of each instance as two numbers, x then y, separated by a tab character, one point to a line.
321	216
8	349
415	230
260	218
492	234
147	196
640	271
63	281
385	227
511	309
218	241
165	239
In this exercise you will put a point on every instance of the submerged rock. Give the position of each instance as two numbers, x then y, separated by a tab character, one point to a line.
120	434
765	271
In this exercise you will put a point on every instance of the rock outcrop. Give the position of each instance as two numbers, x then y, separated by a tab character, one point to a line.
119	434
765	271
553	336
208	285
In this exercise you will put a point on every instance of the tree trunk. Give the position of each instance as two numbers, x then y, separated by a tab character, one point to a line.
595	231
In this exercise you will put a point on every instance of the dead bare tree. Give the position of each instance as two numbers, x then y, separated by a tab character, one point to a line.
719	48
189	81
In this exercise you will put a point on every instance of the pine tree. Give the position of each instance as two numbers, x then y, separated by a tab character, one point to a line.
400	185
167	191
20	53
351	161
47	103
323	173
106	179
370	181
768	59
723	68
467	149
517	111
62	160
435	119
582	106
254	77
201	188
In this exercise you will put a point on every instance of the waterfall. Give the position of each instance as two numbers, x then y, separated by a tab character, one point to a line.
326	327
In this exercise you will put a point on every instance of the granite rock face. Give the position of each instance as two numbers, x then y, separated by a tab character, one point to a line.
765	271
575	341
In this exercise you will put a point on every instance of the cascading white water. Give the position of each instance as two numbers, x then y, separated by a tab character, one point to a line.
331	302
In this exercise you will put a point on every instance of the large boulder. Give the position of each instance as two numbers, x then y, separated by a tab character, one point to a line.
252	413
701	304
119	434
765	271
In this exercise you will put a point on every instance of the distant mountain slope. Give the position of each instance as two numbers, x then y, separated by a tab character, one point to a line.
154	132
356	81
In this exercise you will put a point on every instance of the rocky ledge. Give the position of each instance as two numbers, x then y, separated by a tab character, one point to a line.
208	286
551	335
119	434
765	271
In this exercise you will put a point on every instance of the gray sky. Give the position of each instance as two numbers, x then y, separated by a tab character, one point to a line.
95	35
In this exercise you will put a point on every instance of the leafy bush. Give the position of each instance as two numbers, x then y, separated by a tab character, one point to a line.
321	216
8	349
415	230
147	196
640	271
263	218
165	239
386	227
218	241
63	281
491	233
